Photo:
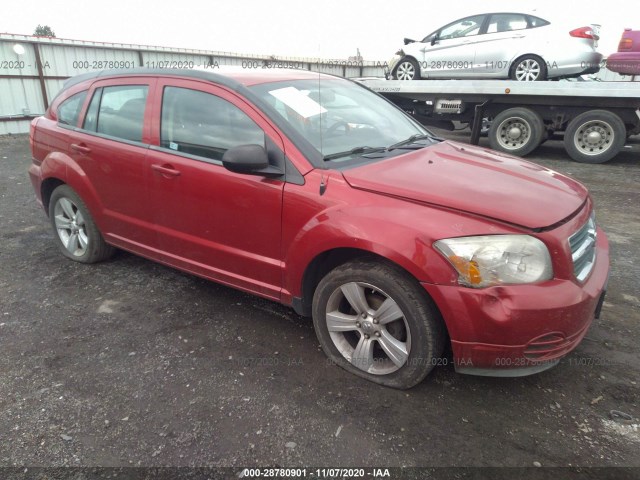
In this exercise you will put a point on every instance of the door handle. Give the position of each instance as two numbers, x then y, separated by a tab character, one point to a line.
166	170
80	148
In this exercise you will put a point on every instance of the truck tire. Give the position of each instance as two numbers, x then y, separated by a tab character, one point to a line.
374	320
595	136
517	131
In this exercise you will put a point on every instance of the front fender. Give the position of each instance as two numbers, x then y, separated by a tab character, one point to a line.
400	231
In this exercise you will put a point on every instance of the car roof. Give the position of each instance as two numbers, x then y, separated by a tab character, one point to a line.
232	77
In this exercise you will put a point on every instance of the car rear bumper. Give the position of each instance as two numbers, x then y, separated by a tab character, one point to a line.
587	63
516	330
624	63
35	175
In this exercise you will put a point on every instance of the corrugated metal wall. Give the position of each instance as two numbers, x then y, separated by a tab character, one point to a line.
32	74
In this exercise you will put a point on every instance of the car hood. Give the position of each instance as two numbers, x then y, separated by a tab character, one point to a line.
475	180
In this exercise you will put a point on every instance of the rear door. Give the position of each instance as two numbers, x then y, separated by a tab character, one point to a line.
111	147
506	33
210	221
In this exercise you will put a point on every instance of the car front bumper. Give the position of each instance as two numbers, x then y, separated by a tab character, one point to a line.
391	65
517	330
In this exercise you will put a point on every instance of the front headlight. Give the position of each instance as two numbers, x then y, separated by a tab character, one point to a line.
490	260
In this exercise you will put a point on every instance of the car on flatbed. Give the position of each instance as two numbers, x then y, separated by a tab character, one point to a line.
500	45
313	191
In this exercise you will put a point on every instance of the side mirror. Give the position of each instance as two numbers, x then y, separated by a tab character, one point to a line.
249	159
435	39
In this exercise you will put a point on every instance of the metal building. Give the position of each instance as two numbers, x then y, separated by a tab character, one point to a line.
33	69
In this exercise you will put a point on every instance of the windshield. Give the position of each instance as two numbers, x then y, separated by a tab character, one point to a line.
338	118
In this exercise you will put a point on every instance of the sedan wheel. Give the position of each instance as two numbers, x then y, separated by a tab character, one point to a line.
407	69
529	69
376	321
76	233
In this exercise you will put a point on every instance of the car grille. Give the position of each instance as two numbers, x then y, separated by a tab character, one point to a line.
583	249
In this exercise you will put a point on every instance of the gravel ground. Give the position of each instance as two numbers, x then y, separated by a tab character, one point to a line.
129	363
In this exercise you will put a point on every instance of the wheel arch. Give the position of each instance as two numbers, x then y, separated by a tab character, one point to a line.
330	259
47	188
60	169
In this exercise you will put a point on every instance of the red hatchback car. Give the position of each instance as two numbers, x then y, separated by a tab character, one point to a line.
313	191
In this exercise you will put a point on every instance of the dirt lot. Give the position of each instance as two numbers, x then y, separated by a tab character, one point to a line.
131	363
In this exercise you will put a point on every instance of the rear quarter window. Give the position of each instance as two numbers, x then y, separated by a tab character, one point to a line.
69	110
537	22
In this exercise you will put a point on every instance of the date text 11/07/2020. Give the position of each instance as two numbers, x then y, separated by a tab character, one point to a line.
212	64
347	473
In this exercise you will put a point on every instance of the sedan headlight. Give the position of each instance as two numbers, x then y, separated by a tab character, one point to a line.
490	260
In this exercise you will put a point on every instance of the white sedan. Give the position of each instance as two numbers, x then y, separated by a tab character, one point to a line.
518	46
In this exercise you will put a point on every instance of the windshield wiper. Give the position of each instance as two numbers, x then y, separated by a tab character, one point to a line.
410	140
354	151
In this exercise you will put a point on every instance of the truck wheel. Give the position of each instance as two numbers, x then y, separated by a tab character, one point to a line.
517	131
407	69
529	68
375	321
595	136
76	233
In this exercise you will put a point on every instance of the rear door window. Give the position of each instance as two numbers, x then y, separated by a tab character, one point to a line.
507	22
118	111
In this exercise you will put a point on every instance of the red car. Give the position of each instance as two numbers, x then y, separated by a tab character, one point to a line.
626	61
313	191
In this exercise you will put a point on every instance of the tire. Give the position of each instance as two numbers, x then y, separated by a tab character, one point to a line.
529	68
407	69
517	131
595	136
397	351
76	233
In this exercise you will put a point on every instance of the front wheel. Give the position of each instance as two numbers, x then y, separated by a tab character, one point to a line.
76	233
595	136
407	69
375	321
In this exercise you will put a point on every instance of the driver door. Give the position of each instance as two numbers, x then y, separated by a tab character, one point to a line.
450	52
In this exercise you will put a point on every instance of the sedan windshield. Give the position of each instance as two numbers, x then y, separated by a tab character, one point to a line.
339	118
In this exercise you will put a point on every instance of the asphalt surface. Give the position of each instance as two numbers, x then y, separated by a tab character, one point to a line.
129	363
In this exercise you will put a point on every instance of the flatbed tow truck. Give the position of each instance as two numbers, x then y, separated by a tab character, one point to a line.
596	117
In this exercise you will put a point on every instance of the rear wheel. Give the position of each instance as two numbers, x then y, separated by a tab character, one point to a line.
595	137
517	131
375	321
407	69
529	68
76	233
